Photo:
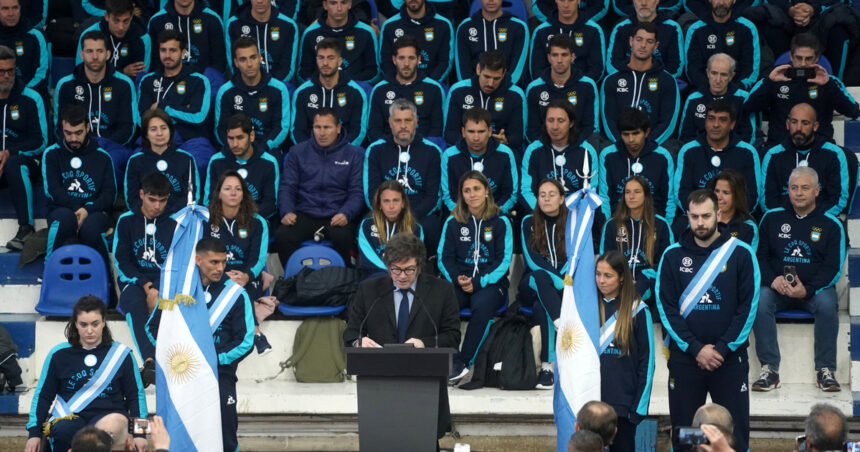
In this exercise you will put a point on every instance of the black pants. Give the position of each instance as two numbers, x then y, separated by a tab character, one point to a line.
229	417
625	437
132	300
18	174
728	385
290	238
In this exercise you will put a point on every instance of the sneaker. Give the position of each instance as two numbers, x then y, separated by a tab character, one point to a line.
546	379
768	379
262	344
826	381
24	233
458	371
147	373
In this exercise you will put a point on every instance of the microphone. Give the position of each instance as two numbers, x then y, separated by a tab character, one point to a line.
435	330
367	316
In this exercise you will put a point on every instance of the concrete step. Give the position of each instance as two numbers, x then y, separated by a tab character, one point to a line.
9	225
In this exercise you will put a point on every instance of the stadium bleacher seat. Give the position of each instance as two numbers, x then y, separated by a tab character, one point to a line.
316	257
71	272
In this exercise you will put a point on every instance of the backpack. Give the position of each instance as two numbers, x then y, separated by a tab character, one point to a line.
506	359
318	355
327	286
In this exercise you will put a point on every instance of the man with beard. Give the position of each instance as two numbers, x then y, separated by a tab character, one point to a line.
724	31
707	295
202	32
586	34
776	94
359	49
427	94
812	242
330	87
669	35
79	185
107	94
21	35
130	43
804	148
434	32
25	135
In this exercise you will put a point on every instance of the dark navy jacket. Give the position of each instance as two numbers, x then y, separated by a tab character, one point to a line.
669	36
814	245
435	35
476	35
551	261
246	248
590	9
427	95
185	97
371	248
359	48
506	106
589	46
66	371
826	158
203	31
778	98
277	40
625	380
696	167
382	162
457	245
615	168
542	161
82	178
267	105
696	108
632	242
347	97
723	316
580	90
174	164
499	165
110	103
24	126
745	230
134	47
140	247
261	172
655	92
738	38
31	50
322	182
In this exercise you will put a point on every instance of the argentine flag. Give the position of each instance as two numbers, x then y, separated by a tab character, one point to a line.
186	378
577	363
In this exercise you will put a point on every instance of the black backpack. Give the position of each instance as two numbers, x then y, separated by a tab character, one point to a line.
506	359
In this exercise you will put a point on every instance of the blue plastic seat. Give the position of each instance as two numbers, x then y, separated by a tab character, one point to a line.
794	314
526	310
71	272
515	8
316	257
61	67
466	313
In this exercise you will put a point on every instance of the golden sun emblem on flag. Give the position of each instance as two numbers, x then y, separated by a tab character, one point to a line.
571	337
182	363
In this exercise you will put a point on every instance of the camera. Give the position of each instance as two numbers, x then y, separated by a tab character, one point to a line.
789	272
688	436
141	427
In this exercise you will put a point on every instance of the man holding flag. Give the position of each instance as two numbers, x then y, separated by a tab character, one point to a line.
577	360
707	294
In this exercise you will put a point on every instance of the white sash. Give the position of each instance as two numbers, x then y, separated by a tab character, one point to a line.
93	388
224	303
607	331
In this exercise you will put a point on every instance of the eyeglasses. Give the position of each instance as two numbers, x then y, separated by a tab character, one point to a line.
7	72
408	271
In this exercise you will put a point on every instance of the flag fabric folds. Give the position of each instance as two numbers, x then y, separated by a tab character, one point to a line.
187	394
577	364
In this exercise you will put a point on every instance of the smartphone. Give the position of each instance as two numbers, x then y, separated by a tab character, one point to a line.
688	436
800	442
852	446
800	73
789	272
141	427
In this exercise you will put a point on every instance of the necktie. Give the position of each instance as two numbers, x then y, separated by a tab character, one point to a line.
403	315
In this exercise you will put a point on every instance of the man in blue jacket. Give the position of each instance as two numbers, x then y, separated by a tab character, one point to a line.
276	36
707	295
21	34
320	189
256	94
130	44
587	36
357	39
24	137
723	31
408	83
435	35
108	96
202	32
491	28
183	94
643	84
800	252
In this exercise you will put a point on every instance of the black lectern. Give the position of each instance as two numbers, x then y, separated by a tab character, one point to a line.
398	396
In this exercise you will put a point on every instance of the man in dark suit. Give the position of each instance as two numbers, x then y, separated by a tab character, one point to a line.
398	317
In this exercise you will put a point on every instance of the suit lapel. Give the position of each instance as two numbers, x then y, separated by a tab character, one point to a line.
388	300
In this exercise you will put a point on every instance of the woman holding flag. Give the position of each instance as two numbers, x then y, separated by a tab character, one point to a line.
474	254
544	250
85	379
626	348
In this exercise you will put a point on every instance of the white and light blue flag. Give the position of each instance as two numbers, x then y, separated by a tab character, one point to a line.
187	395
577	362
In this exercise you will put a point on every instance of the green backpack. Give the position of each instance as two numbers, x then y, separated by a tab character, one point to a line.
318	355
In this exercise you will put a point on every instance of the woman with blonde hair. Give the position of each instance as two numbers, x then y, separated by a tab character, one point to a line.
390	214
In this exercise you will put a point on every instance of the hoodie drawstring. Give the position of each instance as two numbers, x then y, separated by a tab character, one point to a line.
265	46
550	243
637	89
403	158
476	251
